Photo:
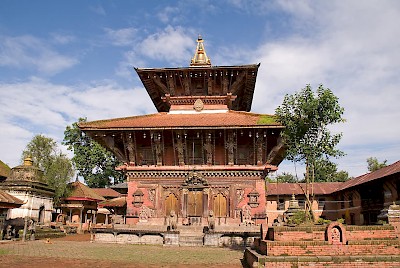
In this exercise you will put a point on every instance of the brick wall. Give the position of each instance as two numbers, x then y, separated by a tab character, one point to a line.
324	249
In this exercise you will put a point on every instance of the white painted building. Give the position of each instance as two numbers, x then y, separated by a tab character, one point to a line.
26	183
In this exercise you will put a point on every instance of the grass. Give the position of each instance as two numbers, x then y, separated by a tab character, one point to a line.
139	254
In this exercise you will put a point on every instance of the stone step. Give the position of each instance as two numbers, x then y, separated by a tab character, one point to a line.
190	240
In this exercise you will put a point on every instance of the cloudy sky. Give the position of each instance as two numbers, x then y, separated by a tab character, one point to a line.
61	60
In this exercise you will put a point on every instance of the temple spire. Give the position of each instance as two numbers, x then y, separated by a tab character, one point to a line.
200	57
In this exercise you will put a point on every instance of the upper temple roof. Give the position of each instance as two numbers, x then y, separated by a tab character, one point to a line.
230	86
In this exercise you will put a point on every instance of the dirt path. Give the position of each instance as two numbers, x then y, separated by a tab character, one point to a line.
78	251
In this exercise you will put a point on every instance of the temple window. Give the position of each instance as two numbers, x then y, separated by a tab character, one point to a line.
281	204
137	198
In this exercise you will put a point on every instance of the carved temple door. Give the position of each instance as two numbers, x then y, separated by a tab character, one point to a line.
220	206
171	203
195	203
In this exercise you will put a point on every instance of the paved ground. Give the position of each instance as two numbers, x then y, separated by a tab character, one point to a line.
77	251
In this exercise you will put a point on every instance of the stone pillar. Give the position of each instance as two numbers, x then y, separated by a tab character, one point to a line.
394	216
80	220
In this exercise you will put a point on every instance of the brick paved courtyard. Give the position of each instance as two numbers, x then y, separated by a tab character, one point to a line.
61	253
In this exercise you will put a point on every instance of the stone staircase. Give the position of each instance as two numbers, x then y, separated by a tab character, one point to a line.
191	236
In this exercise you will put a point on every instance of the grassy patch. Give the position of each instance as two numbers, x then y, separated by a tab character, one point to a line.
3	251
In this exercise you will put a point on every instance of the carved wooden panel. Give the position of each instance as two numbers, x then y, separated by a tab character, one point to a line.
220	205
195	203
171	203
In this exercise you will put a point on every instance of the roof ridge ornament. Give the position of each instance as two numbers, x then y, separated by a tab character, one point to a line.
200	57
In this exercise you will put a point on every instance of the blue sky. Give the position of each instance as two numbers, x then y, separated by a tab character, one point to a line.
61	60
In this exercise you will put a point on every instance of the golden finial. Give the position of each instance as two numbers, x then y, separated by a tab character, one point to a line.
200	57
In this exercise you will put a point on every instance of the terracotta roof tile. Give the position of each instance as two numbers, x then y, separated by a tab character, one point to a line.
9	200
166	120
115	202
380	173
106	192
81	191
319	188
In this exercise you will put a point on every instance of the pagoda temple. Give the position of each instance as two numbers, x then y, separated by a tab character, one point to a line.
203	153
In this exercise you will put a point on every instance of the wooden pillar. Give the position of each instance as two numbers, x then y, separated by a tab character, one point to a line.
80	219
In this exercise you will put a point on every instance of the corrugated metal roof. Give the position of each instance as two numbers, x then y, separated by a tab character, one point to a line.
380	173
319	188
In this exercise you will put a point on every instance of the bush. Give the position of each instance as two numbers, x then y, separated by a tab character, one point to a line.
298	217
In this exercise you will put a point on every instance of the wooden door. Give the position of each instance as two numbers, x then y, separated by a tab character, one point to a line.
220	205
195	203
171	203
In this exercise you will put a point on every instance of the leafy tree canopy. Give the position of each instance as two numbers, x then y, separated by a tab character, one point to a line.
93	162
57	167
374	165
326	171
306	117
286	177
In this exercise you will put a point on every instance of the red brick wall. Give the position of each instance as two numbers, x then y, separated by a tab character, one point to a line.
324	249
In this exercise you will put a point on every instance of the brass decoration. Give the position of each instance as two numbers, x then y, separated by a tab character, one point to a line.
198	105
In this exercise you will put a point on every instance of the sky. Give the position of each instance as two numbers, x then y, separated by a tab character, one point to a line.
62	60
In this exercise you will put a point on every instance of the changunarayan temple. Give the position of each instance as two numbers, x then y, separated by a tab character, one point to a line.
203	152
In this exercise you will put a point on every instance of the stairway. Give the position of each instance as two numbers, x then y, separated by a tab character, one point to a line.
190	236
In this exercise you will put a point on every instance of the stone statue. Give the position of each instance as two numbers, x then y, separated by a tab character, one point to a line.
172	221
211	220
32	228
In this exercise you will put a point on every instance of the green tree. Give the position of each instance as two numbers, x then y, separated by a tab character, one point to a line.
57	168
306	117
326	171
93	162
286	177
374	165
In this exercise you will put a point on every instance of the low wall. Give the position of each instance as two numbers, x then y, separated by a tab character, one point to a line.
322	248
318	233
253	259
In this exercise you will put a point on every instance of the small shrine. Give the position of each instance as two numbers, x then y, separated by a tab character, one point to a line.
26	183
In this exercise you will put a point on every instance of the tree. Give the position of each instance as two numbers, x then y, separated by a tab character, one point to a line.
286	177
93	162
374	165
326	171
306	117
57	168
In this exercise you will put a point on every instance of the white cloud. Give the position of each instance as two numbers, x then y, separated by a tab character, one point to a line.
40	107
121	37
30	52
63	39
354	51
172	44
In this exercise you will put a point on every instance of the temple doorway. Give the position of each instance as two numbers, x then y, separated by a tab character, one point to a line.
220	206
41	214
195	203
171	204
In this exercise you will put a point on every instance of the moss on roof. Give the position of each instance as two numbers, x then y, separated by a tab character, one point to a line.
267	119
4	169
